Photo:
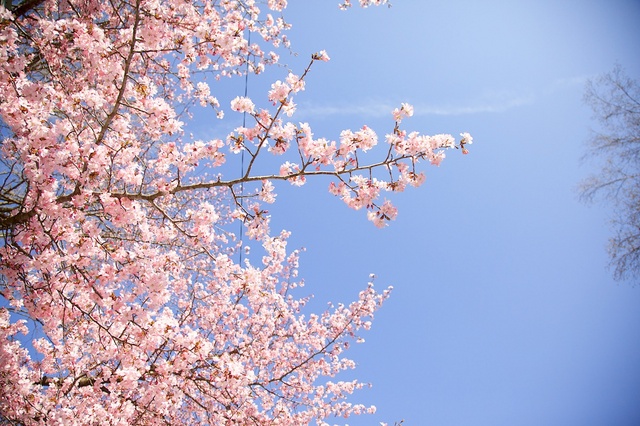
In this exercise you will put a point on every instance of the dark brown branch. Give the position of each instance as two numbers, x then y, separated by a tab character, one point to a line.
25	7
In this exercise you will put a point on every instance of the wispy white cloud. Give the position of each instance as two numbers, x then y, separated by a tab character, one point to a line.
571	82
479	107
374	108
364	108
487	102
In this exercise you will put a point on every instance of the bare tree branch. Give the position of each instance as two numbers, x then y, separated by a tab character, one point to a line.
615	101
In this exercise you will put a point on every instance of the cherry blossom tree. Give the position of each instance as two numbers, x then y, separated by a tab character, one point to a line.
127	295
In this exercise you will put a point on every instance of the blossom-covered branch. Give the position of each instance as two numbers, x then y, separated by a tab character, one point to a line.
119	260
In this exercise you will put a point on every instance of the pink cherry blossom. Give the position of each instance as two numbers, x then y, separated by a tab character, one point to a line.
279	92
242	104
127	293
405	111
321	56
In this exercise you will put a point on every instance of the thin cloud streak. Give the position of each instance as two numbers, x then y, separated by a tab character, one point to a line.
375	109
478	108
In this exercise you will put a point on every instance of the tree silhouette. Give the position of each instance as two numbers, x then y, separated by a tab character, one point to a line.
615	100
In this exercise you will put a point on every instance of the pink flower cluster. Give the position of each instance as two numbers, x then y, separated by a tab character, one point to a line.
363	3
120	240
242	104
404	111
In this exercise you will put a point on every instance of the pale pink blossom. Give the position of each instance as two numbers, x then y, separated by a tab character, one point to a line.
295	82
279	92
242	104
321	56
128	250
266	193
405	110
466	138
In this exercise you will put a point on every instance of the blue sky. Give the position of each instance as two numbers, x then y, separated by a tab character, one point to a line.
503	311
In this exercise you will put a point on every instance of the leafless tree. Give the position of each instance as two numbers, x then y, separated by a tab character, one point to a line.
615	100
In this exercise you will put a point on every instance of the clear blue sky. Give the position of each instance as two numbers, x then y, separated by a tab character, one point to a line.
503	311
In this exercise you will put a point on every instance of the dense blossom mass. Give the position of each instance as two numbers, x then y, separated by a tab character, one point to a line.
126	292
